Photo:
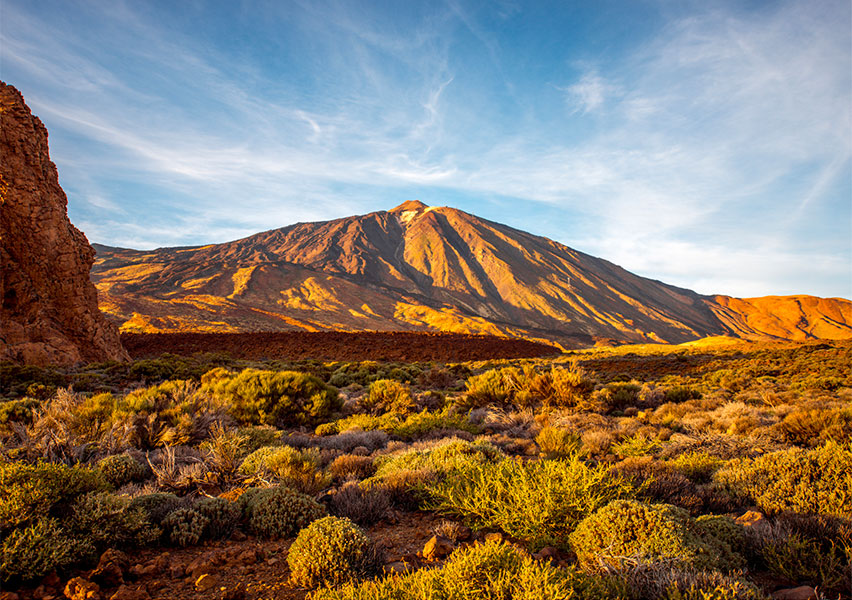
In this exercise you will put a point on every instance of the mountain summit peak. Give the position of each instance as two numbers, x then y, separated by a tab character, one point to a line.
409	205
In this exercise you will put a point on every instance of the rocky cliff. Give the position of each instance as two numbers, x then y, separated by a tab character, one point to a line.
49	312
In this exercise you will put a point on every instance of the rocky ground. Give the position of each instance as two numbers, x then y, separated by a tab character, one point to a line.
297	345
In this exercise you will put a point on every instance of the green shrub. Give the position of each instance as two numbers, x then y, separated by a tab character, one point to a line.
557	443
797	558
418	424
32	492
540	501
388	395
332	550
697	466
815	481
727	531
280	512
405	427
556	387
120	469
680	393
280	398
18	411
626	528
301	470
636	445
185	526
445	456
33	551
222	516
490	571
258	436
491	387
156	505
110	521
618	396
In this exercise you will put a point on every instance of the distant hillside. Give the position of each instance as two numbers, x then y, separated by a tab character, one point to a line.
425	268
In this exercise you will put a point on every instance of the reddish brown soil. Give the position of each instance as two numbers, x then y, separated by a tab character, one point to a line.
290	345
266	578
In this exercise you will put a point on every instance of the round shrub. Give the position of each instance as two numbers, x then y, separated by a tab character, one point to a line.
817	481
280	512
557	443
388	395
301	470
222	515
726	530
332	550
348	466
279	398
31	492
627	528
120	469
185	526
157	505
110	521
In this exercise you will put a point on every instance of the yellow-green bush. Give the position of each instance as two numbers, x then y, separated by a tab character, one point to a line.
332	550
636	445
540	501
120	469
555	387
815	481
301	470
279	512
797	558
554	442
490	571
222	515
33	551
185	526
697	466
110	521
32	492
280	398
627	529
404	426
388	395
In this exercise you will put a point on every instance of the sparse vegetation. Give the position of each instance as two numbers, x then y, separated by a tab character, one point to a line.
636	461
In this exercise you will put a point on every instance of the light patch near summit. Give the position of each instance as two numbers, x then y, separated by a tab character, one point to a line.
408	215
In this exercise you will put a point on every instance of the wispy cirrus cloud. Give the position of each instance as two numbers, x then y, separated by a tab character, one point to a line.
723	132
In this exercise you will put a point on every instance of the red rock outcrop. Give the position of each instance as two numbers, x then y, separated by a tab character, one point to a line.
49	312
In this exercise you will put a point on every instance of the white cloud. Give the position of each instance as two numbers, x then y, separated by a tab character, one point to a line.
588	94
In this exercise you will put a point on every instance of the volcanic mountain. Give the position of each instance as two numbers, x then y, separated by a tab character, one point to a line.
417	267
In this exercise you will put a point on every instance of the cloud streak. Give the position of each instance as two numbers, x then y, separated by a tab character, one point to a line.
722	133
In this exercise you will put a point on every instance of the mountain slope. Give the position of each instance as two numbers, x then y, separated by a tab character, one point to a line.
413	267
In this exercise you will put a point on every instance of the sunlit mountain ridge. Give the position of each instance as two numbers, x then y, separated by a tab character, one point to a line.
417	267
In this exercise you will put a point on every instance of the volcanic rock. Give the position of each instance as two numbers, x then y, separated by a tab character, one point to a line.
49	312
423	268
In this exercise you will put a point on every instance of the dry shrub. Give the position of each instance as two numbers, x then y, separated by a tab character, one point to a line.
347	441
364	505
350	466
597	442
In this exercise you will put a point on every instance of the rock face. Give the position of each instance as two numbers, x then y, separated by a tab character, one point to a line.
49	312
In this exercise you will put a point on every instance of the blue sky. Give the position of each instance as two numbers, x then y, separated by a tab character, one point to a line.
705	144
